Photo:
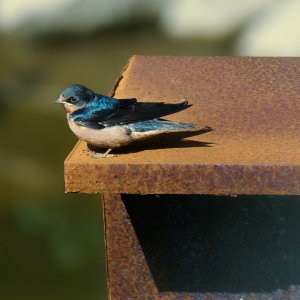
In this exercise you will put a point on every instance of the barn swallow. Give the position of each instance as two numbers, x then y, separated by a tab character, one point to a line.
111	123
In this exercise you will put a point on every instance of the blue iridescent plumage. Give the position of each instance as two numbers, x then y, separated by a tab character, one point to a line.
98	111
126	119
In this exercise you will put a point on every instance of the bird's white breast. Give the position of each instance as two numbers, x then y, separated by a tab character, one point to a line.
110	137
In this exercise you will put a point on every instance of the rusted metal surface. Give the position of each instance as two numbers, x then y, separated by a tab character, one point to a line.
202	247
252	103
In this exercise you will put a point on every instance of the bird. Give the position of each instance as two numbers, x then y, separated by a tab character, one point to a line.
110	123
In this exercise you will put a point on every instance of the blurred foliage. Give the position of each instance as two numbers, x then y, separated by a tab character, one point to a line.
52	243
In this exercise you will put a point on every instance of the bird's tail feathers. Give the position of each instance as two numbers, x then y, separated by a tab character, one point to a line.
165	124
161	125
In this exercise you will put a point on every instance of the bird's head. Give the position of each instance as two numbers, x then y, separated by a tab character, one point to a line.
75	97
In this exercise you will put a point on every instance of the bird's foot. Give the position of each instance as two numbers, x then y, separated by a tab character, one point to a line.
103	155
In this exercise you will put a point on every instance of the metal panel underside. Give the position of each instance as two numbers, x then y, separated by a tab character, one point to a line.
203	247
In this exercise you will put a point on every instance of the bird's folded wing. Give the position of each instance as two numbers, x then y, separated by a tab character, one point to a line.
126	114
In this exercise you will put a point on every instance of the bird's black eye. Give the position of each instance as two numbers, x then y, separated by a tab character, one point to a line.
72	100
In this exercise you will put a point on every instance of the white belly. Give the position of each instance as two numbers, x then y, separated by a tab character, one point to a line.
110	137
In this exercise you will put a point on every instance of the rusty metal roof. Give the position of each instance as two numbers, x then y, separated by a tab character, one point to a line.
253	104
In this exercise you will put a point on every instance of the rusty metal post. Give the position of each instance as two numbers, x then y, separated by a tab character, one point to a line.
202	247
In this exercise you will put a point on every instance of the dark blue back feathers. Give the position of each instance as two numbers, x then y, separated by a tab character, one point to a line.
98	111
105	112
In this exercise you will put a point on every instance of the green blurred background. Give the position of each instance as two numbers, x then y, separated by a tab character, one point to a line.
52	244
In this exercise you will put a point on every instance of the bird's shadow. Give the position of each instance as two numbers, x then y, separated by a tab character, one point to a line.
162	141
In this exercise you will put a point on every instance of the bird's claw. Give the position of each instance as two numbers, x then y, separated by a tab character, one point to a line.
94	154
102	155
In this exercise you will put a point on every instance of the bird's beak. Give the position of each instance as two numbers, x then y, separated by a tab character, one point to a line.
58	101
